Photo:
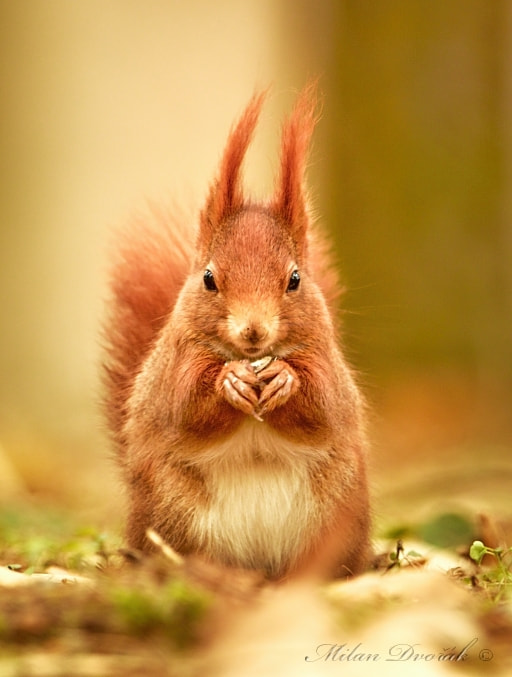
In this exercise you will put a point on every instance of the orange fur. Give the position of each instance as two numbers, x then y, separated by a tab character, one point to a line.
149	265
226	195
250	467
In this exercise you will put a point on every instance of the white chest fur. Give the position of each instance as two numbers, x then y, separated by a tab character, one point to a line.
261	507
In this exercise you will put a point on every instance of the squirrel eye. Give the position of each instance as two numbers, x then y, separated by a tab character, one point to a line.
209	281
294	281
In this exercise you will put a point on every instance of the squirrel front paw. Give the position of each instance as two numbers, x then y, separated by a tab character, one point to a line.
238	384
278	382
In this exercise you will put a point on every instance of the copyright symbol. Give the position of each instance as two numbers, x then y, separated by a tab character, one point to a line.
486	655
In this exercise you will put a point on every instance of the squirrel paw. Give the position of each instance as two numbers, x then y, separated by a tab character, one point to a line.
279	382
237	381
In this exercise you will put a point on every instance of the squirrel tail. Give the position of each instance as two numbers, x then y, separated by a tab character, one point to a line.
151	261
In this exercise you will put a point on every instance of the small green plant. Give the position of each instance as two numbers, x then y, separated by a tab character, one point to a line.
496	579
399	557
176	608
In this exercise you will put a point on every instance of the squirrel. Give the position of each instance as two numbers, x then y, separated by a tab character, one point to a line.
237	422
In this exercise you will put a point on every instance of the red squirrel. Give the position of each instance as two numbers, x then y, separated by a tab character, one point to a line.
238	424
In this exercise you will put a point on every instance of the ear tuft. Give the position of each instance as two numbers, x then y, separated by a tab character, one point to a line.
226	194
290	200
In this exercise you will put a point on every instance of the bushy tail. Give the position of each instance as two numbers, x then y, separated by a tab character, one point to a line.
150	263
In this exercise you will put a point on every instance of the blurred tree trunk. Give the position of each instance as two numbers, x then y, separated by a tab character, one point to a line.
419	123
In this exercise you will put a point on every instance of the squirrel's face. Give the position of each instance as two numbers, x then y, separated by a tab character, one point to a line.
252	288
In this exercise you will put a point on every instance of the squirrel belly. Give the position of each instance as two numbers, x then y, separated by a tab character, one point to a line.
238	425
261	510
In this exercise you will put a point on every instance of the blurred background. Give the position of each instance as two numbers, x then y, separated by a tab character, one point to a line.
108	103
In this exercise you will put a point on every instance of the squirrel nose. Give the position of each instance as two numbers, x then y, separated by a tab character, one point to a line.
253	334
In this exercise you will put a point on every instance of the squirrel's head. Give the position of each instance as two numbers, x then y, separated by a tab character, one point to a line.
251	268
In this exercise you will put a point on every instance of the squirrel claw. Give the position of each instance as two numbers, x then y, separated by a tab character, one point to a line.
256	393
236	398
237	381
278	389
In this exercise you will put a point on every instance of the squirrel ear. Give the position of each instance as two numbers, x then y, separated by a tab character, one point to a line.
290	200
226	195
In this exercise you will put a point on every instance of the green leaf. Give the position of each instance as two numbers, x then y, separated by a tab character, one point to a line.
447	530
477	551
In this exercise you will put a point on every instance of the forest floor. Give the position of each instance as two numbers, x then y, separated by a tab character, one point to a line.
74	603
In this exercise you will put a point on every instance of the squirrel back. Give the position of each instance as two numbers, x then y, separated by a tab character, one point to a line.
237	422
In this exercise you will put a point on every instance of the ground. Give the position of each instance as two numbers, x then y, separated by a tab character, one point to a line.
74	602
